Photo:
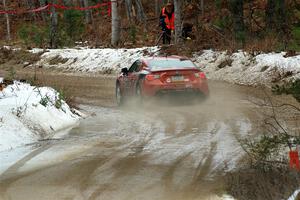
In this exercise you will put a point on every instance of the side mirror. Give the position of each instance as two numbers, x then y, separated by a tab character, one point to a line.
124	71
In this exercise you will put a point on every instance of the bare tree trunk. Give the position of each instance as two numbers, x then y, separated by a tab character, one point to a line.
67	2
270	14
115	36
282	15
202	7
7	23
178	20
128	5
42	3
282	22
53	27
157	7
88	13
31	5
140	12
237	11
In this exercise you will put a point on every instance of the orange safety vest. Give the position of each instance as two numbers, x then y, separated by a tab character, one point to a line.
170	23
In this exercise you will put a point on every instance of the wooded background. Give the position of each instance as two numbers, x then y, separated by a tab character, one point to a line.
266	25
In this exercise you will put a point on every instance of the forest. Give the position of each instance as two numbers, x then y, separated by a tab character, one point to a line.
253	25
75	116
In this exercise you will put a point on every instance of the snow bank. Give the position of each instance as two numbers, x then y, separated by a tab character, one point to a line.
227	197
246	69
295	195
23	118
239	68
92	60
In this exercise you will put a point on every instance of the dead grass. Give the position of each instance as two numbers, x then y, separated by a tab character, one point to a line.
226	62
17	56
258	184
58	60
268	44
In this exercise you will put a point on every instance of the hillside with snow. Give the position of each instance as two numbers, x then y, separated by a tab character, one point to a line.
246	69
238	68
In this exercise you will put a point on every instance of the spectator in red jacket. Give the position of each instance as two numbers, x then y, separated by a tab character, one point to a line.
167	22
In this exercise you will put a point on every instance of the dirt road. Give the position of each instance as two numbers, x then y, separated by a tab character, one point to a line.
158	152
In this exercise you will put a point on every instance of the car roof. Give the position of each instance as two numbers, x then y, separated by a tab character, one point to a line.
173	57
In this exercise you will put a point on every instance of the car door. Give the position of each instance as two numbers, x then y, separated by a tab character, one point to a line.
132	77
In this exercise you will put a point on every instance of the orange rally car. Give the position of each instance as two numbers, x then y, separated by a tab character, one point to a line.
158	76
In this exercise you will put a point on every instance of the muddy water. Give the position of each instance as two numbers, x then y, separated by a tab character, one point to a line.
158	151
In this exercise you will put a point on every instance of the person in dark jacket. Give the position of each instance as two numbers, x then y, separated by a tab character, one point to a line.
187	29
167	22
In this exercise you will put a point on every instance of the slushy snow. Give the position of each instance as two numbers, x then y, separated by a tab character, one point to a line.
24	120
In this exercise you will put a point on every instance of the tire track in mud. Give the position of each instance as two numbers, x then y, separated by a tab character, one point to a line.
202	168
147	143
151	153
8	173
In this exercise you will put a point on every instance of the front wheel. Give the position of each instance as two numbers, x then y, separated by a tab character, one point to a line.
119	96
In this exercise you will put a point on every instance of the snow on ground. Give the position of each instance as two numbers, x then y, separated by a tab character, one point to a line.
295	195
227	197
240	67
23	118
9	158
92	60
243	68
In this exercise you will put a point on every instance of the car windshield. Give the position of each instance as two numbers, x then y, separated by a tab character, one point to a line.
169	64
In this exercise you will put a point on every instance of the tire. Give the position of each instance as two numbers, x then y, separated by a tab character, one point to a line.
119	97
